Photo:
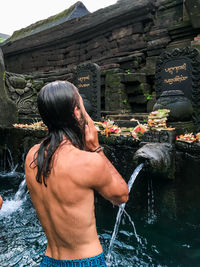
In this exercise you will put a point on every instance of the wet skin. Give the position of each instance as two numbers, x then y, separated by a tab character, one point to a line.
65	207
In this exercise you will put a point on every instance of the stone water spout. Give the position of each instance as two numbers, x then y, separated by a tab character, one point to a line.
158	158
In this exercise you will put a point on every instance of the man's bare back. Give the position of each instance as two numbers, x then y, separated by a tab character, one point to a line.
65	207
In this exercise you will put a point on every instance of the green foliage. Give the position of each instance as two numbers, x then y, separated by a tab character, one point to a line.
149	97
124	101
128	71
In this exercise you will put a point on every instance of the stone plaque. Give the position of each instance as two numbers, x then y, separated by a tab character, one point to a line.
177	75
179	70
87	80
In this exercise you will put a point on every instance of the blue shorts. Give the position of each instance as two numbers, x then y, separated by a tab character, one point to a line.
97	261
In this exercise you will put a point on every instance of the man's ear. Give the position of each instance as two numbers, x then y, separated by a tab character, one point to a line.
77	112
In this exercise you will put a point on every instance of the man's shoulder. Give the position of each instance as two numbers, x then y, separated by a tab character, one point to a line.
90	157
80	160
87	165
32	151
91	162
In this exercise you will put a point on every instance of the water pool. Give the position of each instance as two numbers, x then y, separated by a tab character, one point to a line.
168	230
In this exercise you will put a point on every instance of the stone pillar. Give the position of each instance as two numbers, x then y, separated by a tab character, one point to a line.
115	95
8	110
192	7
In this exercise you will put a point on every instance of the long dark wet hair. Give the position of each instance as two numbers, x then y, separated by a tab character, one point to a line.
56	102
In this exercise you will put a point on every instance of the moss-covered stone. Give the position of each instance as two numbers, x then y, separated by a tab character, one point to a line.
17	82
49	22
110	71
134	77
193	7
37	85
115	93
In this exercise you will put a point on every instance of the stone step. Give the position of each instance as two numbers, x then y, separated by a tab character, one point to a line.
127	119
126	123
137	116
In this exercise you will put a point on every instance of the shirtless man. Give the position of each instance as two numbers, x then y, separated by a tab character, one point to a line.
62	173
1	202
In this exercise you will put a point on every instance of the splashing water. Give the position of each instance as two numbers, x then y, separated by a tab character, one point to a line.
11	205
7	166
119	214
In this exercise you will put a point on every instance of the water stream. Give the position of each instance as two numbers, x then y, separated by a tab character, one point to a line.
167	241
119	215
151	203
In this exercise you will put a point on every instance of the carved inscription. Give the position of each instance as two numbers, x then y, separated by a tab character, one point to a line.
84	81
87	80
176	79
176	75
175	70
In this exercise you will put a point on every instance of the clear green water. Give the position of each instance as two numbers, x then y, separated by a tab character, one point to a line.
167	222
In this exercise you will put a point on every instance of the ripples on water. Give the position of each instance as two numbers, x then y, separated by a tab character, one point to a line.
164	243
22	240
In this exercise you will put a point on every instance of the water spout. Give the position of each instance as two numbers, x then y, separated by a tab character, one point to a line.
158	158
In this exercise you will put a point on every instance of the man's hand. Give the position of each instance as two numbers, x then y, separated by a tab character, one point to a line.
91	135
1	202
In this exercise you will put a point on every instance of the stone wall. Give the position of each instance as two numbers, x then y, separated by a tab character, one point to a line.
113	35
125	39
106	36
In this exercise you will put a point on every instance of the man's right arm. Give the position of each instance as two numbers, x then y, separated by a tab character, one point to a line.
107	181
105	178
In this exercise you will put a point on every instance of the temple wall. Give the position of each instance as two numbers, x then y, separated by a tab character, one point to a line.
123	39
113	35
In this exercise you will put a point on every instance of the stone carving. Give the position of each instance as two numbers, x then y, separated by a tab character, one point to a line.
159	137
158	157
191	148
8	111
179	70
87	80
22	90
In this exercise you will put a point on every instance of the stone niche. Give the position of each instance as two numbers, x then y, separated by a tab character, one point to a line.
178	71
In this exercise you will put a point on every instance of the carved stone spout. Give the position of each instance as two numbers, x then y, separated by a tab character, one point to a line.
158	158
